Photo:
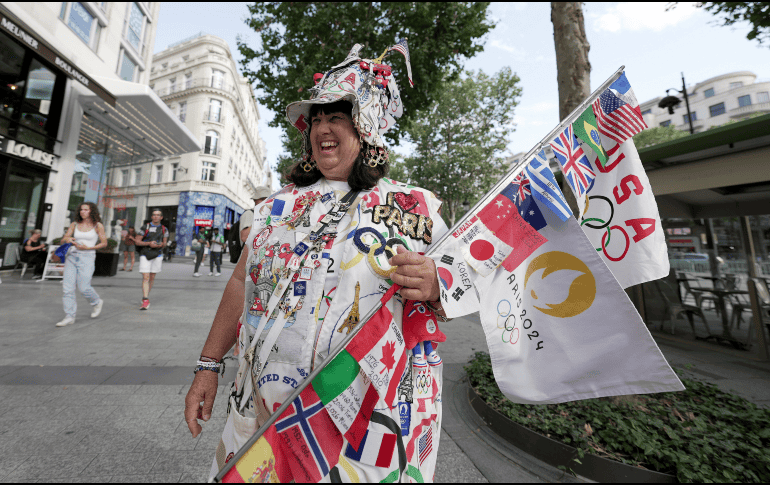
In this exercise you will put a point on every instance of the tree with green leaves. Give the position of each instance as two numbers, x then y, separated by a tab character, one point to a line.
755	13
657	134
299	39
459	139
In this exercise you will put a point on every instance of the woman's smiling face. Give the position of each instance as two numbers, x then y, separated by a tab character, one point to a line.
335	144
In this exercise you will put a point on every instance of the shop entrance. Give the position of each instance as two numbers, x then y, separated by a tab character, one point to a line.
20	207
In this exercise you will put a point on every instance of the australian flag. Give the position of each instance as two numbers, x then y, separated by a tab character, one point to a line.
574	163
525	206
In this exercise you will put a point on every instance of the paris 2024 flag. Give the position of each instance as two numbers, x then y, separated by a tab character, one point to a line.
558	325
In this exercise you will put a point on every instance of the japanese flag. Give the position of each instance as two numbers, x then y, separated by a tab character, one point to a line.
483	251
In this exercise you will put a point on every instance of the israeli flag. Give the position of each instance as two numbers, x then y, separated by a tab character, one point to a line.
544	186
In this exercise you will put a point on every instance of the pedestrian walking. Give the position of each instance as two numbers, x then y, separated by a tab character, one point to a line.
199	243
86	235
34	253
128	247
152	238
217	246
291	276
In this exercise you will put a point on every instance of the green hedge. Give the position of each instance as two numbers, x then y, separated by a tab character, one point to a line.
700	435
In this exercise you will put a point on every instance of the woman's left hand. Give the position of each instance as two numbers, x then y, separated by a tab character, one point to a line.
416	274
81	247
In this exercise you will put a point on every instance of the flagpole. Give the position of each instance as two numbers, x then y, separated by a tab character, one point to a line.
302	385
434	247
524	160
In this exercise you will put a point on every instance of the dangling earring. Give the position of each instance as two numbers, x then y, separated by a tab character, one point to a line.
308	165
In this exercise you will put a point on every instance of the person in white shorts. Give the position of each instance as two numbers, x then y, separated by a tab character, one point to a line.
152	238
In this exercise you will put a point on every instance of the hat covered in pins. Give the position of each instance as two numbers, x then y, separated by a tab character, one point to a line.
369	86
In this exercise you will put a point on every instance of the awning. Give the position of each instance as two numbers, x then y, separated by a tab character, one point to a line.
140	116
721	172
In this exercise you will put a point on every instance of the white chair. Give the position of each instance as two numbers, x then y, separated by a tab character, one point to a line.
20	262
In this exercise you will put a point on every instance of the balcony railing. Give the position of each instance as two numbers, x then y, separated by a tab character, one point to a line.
216	151
749	109
201	82
215	116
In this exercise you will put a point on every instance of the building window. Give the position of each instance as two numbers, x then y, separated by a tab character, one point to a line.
665	123
647	112
763	97
135	28
230	167
217	79
137	176
694	117
188	80
717	109
185	58
82	22
127	68
158	174
124	178
215	110
744	100
708	93
212	143
736	84
209	169
172	85
174	170
164	65
182	111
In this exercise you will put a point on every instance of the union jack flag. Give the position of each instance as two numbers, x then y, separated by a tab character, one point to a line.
574	162
311	436
521	186
425	445
403	48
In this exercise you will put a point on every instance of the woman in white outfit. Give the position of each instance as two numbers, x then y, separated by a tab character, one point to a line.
79	263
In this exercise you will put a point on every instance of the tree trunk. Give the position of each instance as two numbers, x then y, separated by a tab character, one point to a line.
573	71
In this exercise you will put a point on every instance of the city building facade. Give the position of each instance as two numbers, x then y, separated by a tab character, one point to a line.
199	81
76	111
713	102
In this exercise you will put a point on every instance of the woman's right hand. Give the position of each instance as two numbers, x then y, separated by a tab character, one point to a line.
203	390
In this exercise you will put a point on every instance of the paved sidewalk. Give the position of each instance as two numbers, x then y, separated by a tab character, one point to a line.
102	399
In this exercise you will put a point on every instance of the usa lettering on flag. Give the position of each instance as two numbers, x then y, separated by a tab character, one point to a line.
617	113
573	161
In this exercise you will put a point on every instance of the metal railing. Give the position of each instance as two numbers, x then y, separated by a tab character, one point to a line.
216	151
200	82
215	116
737	266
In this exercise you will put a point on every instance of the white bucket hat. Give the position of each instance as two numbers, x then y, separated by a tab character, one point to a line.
368	86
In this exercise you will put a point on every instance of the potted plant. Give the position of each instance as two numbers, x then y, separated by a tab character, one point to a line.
107	259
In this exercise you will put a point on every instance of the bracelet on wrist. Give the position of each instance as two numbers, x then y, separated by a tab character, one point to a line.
216	367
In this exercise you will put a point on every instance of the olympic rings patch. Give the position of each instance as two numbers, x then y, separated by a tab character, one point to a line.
607	236
422	382
510	333
363	247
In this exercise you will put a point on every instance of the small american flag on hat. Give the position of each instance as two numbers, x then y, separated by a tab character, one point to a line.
403	48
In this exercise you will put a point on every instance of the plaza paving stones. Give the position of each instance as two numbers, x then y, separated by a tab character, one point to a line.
102	400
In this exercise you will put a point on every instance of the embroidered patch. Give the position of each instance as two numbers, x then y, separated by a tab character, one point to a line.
398	213
262	237
300	288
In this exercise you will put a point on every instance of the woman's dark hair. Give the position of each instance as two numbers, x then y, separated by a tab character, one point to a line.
362	176
94	212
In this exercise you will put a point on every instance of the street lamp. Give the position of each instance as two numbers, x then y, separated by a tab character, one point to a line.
672	102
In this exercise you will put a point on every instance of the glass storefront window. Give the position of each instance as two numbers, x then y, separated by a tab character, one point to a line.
108	172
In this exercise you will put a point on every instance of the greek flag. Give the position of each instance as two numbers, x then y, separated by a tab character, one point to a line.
544	187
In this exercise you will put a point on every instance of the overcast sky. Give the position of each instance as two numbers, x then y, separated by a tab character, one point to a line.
654	45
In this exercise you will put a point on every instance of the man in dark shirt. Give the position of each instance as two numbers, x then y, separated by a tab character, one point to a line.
34	253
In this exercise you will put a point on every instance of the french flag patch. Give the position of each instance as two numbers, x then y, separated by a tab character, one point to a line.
376	449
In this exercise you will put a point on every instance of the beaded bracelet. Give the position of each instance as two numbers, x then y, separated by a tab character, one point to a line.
216	367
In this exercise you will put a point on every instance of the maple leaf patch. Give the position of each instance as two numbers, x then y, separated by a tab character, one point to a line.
387	356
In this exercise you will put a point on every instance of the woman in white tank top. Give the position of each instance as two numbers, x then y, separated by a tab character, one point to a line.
86	235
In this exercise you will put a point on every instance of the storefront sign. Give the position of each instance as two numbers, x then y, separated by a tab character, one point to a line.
21	150
17	30
681	242
204	222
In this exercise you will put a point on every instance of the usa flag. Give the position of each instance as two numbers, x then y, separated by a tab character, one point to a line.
617	112
574	162
426	444
403	48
